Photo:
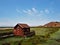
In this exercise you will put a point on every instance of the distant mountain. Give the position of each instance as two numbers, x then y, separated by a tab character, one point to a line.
52	24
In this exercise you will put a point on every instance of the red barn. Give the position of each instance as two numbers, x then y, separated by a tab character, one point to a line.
21	30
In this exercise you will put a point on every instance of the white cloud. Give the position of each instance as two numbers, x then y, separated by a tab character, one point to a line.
41	11
18	11
29	12
34	11
47	11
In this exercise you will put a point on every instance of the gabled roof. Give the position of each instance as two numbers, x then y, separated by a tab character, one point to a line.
22	25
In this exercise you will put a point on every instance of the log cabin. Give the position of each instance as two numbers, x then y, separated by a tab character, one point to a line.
22	30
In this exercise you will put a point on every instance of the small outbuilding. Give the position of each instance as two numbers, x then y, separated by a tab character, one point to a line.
22	30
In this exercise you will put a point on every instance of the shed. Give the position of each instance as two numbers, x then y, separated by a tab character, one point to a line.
21	30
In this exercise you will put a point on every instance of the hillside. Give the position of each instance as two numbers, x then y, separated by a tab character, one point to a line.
52	24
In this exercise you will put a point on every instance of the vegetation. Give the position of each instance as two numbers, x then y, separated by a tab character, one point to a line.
44	31
44	36
6	30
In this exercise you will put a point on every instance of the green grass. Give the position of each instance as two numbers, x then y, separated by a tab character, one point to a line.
11	40
35	40
56	35
43	31
39	31
6	30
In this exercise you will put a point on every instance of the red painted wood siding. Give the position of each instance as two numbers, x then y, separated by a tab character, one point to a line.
18	31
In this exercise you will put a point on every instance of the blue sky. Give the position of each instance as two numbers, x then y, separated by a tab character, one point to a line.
32	12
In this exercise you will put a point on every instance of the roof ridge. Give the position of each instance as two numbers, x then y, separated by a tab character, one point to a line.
23	25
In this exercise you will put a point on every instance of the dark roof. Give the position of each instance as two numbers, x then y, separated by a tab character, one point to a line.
22	25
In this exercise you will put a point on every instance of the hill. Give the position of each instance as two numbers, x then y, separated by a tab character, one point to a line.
52	24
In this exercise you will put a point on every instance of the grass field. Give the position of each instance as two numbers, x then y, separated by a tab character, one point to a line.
35	40
43	30
5	30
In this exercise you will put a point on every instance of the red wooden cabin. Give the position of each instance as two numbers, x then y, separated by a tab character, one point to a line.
21	30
